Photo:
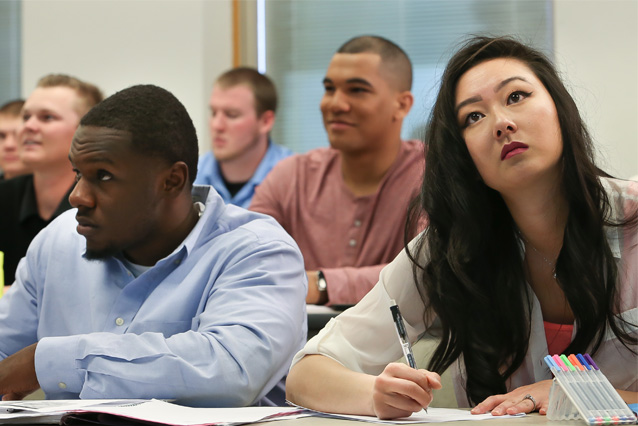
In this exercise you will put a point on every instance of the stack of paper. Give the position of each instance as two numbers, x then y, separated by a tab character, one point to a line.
156	412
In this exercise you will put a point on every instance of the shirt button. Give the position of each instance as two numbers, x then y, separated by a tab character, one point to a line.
119	321
352	243
357	223
62	385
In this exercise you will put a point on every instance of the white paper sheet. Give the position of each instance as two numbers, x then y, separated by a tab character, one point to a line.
50	411
178	415
434	415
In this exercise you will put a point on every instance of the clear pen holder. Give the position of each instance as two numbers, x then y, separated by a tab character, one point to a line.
560	406
569	403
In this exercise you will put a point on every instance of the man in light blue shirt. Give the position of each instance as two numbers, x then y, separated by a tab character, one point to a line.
164	291
242	104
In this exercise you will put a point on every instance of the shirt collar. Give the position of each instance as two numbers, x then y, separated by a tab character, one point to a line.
211	202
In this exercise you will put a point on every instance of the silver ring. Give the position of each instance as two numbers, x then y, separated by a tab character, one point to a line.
531	398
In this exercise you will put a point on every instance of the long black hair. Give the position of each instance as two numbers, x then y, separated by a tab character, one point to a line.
468	264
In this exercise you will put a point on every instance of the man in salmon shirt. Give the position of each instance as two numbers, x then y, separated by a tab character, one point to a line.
346	205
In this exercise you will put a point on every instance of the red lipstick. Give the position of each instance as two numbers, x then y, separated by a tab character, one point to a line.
512	149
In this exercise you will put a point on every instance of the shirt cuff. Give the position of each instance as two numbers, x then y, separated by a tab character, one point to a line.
56	365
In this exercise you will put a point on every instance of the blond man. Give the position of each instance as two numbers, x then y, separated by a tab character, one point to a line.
50	116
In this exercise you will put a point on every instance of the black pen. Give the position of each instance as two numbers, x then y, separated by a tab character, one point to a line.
403	335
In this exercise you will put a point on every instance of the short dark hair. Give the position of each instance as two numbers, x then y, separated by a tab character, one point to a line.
88	93
12	108
262	87
392	56
158	122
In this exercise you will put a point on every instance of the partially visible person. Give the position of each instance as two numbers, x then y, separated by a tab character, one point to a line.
11	164
346	205
243	104
150	287
50	116
530	250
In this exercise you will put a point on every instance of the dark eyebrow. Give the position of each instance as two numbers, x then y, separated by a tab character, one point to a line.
96	159
100	160
359	81
355	80
498	87
508	80
471	100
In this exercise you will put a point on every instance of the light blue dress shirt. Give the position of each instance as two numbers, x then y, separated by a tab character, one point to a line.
208	173
215	323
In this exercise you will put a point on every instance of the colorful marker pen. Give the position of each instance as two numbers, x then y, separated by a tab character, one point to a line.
594	405
614	398
571	387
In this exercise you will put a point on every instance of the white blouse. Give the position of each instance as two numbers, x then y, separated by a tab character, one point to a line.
363	338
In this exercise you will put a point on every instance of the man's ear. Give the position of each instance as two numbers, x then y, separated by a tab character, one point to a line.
176	179
404	100
266	121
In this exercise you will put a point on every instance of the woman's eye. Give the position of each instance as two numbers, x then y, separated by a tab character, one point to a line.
472	118
516	97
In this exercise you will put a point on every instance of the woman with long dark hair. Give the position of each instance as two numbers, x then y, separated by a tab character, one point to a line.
530	249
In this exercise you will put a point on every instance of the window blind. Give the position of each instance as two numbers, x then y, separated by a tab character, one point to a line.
302	36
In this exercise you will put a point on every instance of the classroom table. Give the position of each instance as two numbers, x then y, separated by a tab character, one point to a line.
530	419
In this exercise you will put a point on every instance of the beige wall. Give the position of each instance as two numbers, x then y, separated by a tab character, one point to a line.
178	45
596	45
183	45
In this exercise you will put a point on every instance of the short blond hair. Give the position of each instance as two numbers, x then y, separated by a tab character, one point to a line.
89	94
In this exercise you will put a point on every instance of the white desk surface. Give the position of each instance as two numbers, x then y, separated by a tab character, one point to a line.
530	419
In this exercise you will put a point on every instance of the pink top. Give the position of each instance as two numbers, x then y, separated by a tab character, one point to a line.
558	336
349	238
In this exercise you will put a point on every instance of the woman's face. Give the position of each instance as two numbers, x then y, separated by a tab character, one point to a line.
509	123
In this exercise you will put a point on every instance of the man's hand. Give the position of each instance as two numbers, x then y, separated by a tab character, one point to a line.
17	374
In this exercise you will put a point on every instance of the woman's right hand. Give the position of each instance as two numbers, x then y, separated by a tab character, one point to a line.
401	390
